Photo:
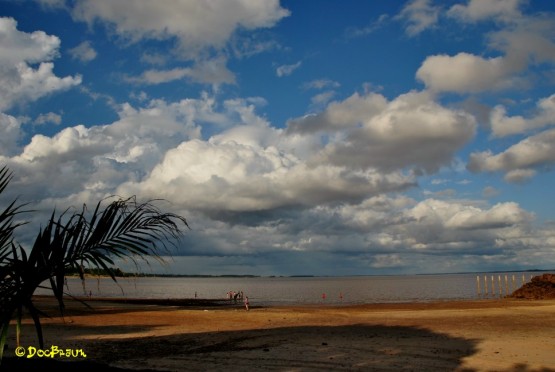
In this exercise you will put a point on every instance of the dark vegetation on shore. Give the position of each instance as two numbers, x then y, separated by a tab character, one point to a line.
117	272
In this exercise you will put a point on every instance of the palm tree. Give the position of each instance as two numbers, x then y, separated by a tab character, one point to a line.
123	228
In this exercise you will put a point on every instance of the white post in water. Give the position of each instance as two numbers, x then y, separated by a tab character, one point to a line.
485	285
492	286
514	283
506	285
500	285
523	279
478	285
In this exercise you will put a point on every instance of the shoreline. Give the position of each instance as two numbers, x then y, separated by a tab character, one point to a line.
466	335
186	302
202	302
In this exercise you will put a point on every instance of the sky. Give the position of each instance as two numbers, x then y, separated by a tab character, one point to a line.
311	137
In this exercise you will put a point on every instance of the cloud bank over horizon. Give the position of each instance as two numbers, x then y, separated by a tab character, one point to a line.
283	159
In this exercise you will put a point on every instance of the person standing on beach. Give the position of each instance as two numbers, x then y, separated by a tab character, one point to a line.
246	303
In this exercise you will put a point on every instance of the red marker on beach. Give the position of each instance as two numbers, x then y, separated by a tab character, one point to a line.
323	296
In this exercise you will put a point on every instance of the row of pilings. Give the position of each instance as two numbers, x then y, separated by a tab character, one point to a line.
499	285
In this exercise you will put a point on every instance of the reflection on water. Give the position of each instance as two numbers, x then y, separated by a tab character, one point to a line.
310	290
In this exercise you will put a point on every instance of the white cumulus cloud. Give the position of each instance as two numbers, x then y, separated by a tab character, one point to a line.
286	70
370	132
520	40
520	159
465	73
49	117
196	24
20	81
503	125
10	128
479	10
419	16
83	52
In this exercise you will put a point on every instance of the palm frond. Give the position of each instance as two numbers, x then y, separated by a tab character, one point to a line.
7	216
128	229
5	177
123	228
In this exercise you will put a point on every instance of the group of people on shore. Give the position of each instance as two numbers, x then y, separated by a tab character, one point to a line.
235	296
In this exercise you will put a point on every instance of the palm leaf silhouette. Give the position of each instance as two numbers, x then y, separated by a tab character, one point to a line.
117	228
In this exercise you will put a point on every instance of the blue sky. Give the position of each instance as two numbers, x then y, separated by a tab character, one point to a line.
297	137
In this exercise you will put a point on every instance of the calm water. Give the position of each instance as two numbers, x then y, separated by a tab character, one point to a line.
310	290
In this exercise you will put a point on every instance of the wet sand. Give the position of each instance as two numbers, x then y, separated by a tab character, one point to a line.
481	335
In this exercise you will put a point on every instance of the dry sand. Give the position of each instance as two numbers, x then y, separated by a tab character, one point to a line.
481	335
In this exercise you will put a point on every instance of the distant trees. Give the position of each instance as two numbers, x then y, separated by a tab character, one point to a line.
99	272
71	241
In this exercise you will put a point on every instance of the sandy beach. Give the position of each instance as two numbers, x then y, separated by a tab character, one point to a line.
476	335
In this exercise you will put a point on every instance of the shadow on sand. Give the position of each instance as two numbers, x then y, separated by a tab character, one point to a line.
307	348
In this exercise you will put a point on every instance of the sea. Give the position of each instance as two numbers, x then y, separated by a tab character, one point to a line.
275	291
